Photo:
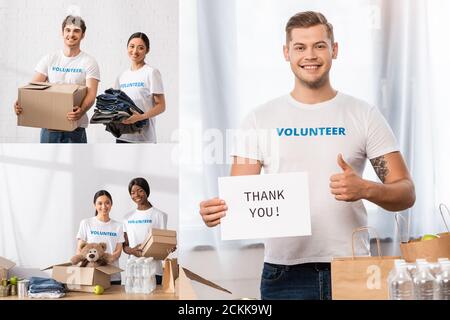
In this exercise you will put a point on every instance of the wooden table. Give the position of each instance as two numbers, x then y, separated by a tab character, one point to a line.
115	292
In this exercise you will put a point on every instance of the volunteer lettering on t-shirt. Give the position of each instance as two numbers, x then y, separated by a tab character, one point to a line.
138	223
72	66
329	135
143	84
101	228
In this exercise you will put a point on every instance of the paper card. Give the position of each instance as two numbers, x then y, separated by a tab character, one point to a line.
265	206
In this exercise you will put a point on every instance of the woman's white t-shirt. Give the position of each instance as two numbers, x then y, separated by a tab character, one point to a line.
137	225
140	85
92	230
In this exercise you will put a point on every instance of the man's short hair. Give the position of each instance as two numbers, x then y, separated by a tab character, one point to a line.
308	19
76	21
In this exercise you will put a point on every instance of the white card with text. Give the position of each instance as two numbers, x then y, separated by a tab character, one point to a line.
265	206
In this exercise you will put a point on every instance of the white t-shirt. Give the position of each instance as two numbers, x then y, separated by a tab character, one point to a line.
73	70
309	138
140	85
137	225
92	230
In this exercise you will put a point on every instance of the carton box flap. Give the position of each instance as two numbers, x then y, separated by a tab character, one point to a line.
6	264
196	277
183	287
109	269
54	87
66	264
37	86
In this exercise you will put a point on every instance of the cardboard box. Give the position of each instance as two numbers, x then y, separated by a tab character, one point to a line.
45	105
159	244
177	279
5	265
83	279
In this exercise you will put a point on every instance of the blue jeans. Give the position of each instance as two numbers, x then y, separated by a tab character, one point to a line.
308	281
76	136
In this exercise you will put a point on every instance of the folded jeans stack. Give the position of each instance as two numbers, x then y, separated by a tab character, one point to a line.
45	288
114	106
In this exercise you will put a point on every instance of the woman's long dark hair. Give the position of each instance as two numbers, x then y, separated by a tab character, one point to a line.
99	194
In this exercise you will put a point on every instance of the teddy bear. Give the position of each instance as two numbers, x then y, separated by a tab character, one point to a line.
92	255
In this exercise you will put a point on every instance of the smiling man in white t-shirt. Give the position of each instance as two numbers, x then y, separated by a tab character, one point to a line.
73	66
329	135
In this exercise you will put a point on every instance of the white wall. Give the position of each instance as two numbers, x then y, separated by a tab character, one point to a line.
31	29
46	190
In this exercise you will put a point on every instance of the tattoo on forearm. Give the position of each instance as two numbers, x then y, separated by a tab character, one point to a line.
380	166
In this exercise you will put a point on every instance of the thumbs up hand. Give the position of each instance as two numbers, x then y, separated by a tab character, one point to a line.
348	185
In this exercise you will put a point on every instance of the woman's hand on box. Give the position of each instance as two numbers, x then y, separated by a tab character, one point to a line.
137	251
17	108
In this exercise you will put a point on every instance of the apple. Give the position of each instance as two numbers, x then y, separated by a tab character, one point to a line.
98	289
13	280
429	237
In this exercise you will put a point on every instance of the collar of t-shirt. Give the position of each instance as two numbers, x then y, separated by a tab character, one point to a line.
79	55
314	106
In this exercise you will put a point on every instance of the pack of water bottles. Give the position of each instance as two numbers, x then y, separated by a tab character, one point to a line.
140	275
421	280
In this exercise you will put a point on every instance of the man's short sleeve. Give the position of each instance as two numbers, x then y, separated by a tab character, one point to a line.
82	231
117	83
164	220
92	70
245	140
380	138
156	84
43	65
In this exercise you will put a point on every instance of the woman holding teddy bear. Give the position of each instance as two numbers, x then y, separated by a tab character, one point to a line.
102	228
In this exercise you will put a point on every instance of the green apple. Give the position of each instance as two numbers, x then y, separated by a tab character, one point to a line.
13	280
98	289
429	237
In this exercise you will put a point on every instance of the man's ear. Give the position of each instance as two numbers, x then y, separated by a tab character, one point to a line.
335	50
286	52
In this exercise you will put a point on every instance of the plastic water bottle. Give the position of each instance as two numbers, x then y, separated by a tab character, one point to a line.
412	267
443	281
435	268
146	276
401	286
129	275
149	276
424	283
392	273
152	264
138	276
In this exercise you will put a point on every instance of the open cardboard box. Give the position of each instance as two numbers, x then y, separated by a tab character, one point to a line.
177	280
5	265
83	279
46	105
159	243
